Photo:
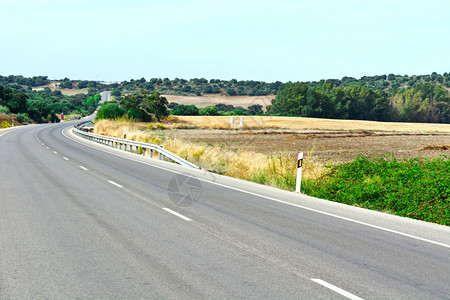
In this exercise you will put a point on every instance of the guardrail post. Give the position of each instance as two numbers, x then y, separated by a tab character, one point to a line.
143	151
299	172
151	153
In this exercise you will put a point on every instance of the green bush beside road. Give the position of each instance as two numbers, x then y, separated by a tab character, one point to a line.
417	188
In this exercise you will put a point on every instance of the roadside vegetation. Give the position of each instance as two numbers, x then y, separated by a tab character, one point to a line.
274	170
417	188
42	106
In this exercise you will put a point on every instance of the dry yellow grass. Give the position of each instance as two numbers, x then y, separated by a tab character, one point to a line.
119	127
276	169
240	164
266	122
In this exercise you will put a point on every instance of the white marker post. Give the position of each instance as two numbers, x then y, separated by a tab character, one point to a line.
241	122
299	172
232	121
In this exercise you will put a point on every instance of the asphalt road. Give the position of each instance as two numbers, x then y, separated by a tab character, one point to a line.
79	220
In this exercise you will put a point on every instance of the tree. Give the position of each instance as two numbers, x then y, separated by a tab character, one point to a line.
290	99
66	85
231	92
16	101
215	89
186	89
185	110
255	110
116	92
207	89
154	105
38	110
109	110
224	107
209	111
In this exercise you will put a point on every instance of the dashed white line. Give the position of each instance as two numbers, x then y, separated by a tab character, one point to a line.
177	214
55	152
47	147
65	158
116	184
336	289
83	168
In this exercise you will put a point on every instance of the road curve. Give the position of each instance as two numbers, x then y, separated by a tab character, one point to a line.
78	220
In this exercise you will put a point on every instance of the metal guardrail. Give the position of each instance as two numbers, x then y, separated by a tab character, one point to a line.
133	146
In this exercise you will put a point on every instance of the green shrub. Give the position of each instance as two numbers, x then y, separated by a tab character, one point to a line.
417	188
22	117
4	109
185	110
109	110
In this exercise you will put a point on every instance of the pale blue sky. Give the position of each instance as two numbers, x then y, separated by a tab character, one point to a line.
283	40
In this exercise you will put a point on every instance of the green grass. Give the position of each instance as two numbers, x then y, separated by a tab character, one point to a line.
417	188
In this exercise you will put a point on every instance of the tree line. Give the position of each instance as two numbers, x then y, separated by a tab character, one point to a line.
422	103
43	105
198	87
390	97
150	105
391	83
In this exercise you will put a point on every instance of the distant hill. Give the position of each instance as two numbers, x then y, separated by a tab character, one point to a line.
416	98
390	83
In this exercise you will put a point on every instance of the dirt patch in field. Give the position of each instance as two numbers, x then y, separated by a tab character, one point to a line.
68	92
429	147
210	100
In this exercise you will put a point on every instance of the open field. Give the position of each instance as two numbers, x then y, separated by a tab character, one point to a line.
326	146
68	92
269	122
322	141
327	140
210	100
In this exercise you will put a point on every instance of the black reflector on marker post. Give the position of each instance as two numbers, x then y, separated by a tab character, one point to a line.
299	172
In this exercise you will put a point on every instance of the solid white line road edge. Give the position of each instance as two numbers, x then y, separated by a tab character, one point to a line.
177	214
83	168
10	130
277	200
336	289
